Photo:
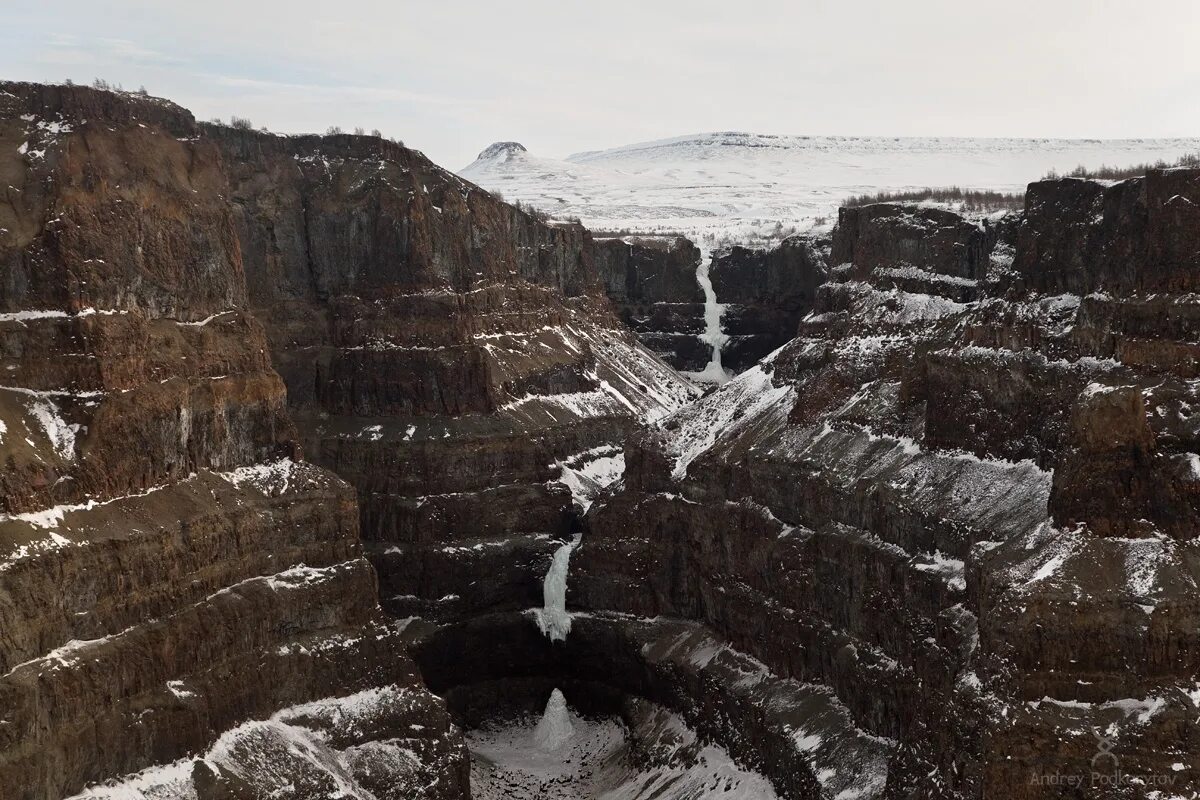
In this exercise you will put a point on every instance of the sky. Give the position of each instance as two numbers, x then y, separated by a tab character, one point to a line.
449	77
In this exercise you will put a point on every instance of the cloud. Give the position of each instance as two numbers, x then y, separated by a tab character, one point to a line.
452	77
330	92
69	49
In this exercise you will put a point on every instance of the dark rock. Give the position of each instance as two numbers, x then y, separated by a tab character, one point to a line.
652	282
1138	235
170	568
766	293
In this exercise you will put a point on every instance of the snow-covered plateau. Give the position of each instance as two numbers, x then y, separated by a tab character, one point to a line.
730	187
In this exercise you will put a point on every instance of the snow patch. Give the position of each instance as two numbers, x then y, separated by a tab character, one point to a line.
952	570
272	478
588	473
60	434
745	400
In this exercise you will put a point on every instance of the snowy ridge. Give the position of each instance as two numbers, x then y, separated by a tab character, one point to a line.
744	187
275	751
741	403
629	379
41	532
847	761
70	654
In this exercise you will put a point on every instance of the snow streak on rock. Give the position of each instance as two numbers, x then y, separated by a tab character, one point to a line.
746	400
629	380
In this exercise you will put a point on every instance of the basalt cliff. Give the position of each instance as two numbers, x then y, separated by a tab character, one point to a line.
762	294
319	460
266	396
957	511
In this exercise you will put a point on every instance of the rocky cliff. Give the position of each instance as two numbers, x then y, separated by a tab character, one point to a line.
171	569
959	505
765	294
652	283
940	542
452	357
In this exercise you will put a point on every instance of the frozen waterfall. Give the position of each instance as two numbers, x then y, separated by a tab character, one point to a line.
554	730
553	618
714	372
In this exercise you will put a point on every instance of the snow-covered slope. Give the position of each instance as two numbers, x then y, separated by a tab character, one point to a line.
744	187
657	757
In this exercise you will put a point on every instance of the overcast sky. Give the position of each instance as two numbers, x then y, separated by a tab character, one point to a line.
562	76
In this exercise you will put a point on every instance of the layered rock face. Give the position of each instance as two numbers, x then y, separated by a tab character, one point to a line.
959	506
169	568
652	283
451	356
765	294
940	542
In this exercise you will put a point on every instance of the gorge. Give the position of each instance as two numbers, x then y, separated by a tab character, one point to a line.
328	473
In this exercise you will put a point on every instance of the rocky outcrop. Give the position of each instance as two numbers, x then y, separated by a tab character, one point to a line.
962	504
765	294
1131	237
652	283
169	568
451	356
883	237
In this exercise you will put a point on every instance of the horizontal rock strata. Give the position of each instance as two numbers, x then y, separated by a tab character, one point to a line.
765	294
446	353
939	542
652	283
169	568
953	499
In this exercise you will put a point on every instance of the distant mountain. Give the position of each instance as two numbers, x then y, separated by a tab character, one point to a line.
604	197
734	186
502	151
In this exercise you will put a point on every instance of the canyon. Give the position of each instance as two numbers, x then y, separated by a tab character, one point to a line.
329	473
